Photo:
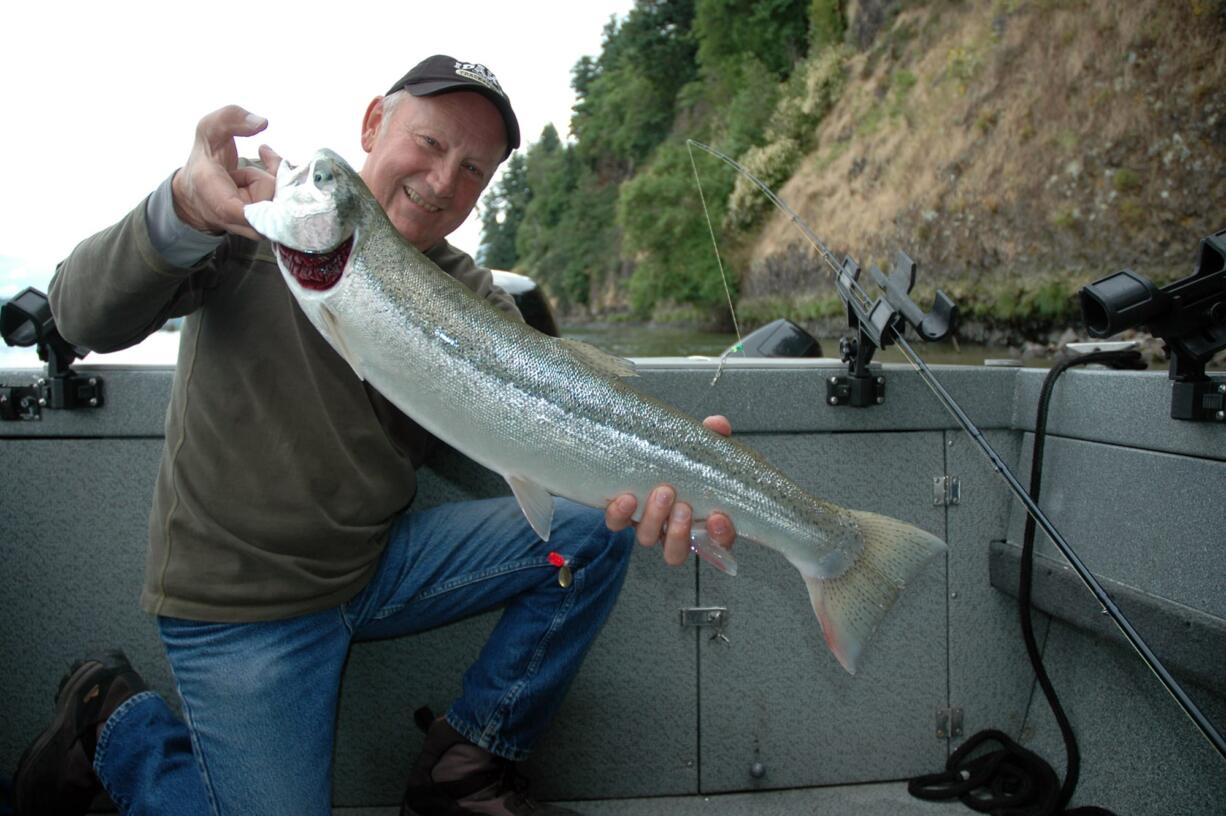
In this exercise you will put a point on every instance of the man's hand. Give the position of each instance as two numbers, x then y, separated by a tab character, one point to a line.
211	190
665	517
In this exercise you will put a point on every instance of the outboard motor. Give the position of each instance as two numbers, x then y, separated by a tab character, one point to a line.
529	299
779	338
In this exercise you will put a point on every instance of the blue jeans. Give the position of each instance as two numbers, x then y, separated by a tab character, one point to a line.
260	699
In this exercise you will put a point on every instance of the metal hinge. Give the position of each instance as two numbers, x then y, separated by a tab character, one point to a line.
946	491
713	616
949	722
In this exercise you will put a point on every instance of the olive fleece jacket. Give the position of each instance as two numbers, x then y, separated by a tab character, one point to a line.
282	471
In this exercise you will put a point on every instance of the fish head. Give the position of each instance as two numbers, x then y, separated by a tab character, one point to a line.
312	221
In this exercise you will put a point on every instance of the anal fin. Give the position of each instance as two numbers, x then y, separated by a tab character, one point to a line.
712	553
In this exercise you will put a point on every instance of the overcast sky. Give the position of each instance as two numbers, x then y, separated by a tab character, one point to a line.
99	100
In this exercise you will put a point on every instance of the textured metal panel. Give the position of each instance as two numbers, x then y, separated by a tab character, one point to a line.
1130	408
135	405
989	676
1139	752
1188	642
72	552
628	726
791	397
774	694
1152	521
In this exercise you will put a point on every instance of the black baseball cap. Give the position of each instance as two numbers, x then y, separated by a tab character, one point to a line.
442	74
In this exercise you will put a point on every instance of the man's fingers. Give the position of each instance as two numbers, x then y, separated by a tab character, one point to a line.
227	215
719	423
209	192
254	184
225	123
677	536
244	230
720	530
271	159
619	512
655	513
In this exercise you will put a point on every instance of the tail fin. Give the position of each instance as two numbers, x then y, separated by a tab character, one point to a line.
851	605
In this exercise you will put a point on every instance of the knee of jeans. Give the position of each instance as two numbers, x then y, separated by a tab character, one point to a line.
248	666
597	545
247	680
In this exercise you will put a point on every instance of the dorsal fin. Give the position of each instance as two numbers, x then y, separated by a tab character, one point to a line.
601	361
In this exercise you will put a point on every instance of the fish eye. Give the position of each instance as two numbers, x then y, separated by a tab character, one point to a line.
322	173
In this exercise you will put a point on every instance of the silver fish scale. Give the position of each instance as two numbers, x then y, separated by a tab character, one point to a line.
522	404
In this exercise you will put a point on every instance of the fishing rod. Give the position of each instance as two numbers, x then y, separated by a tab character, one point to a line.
891	315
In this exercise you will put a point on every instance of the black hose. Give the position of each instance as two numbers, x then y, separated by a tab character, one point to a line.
1012	781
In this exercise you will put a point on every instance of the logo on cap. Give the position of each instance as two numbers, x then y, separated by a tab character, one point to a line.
479	73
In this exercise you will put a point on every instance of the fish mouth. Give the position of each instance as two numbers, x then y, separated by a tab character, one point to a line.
319	271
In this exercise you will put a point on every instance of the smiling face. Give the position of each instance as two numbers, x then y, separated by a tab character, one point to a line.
429	162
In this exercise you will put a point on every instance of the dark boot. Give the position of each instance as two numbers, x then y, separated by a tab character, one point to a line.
56	773
452	776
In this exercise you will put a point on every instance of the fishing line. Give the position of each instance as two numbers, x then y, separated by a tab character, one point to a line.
740	346
1147	655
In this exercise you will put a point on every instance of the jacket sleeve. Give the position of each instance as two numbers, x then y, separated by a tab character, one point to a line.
115	289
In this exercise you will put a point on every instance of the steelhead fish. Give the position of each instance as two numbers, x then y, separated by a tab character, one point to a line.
556	417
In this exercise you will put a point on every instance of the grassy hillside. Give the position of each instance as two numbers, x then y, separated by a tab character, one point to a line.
1015	149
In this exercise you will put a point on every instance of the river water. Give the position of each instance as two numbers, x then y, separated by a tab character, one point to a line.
632	340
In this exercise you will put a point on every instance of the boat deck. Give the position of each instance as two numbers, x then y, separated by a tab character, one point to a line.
879	799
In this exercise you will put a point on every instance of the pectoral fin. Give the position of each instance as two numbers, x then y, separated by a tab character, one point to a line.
337	339
535	501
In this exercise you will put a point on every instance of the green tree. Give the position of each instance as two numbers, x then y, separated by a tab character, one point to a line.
827	24
775	32
586	242
665	231
627	97
744	119
731	72
502	211
550	173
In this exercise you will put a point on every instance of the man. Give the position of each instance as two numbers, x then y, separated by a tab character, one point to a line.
280	532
